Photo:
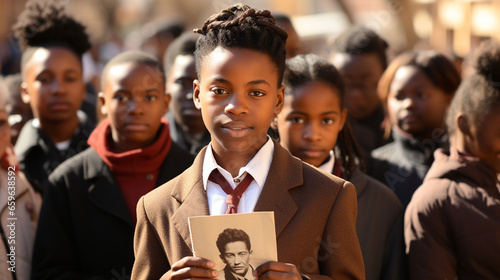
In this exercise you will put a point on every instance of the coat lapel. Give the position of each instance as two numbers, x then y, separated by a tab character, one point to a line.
192	198
105	193
275	194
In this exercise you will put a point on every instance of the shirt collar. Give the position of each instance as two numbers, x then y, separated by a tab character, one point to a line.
328	166
258	166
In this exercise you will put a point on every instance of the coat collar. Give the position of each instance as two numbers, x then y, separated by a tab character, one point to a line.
191	195
105	192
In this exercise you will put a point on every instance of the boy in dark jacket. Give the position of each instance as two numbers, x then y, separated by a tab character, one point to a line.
88	218
53	44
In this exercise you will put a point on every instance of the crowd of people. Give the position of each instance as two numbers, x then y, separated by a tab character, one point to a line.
392	163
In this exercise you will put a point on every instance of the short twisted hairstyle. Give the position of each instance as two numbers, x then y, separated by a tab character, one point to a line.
241	26
44	23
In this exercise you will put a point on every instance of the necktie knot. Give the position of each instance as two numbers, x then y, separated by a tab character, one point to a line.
233	196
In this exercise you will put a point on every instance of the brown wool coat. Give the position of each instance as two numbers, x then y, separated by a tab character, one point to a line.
452	224
315	216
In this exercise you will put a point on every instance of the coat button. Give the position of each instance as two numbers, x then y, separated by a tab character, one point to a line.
150	176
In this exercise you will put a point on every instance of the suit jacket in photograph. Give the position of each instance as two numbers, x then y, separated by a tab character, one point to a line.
315	217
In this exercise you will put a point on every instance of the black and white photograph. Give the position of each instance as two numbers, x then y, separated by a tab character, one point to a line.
237	243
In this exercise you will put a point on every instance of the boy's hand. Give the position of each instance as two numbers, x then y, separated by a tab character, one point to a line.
277	271
193	267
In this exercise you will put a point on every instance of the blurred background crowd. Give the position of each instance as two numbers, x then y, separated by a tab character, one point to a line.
401	63
452	27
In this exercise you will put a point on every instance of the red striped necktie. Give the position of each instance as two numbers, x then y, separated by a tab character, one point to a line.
233	196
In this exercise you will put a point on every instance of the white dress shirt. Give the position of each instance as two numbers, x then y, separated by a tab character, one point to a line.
328	166
258	167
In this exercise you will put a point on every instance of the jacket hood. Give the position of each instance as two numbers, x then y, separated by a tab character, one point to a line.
452	164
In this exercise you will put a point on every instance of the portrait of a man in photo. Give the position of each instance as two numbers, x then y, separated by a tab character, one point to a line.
236	252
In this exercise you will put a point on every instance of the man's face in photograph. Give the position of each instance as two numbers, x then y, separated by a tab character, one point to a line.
237	257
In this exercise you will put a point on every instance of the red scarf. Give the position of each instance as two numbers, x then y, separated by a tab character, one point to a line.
136	171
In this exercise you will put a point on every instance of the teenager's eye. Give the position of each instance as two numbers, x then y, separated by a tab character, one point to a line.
121	98
421	94
257	93
219	91
328	121
151	98
399	96
44	79
185	83
70	79
298	120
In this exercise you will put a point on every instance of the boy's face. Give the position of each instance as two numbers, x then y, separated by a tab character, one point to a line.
134	100
180	87
361	73
237	257
310	122
53	84
414	104
239	95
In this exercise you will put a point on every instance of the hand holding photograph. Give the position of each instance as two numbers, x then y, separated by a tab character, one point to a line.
237	243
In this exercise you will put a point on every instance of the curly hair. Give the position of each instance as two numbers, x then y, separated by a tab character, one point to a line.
232	235
479	94
241	26
303	69
44	23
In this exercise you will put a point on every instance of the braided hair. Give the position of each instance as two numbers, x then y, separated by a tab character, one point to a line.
241	26
479	94
303	69
44	23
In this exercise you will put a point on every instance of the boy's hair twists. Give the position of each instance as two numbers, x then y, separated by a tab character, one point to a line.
45	22
241	26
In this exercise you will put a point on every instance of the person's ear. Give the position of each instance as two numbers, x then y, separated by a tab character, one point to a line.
196	94
166	98
463	124
280	100
25	96
102	101
274	123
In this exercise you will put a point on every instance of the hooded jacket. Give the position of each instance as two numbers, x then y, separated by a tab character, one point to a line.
452	224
